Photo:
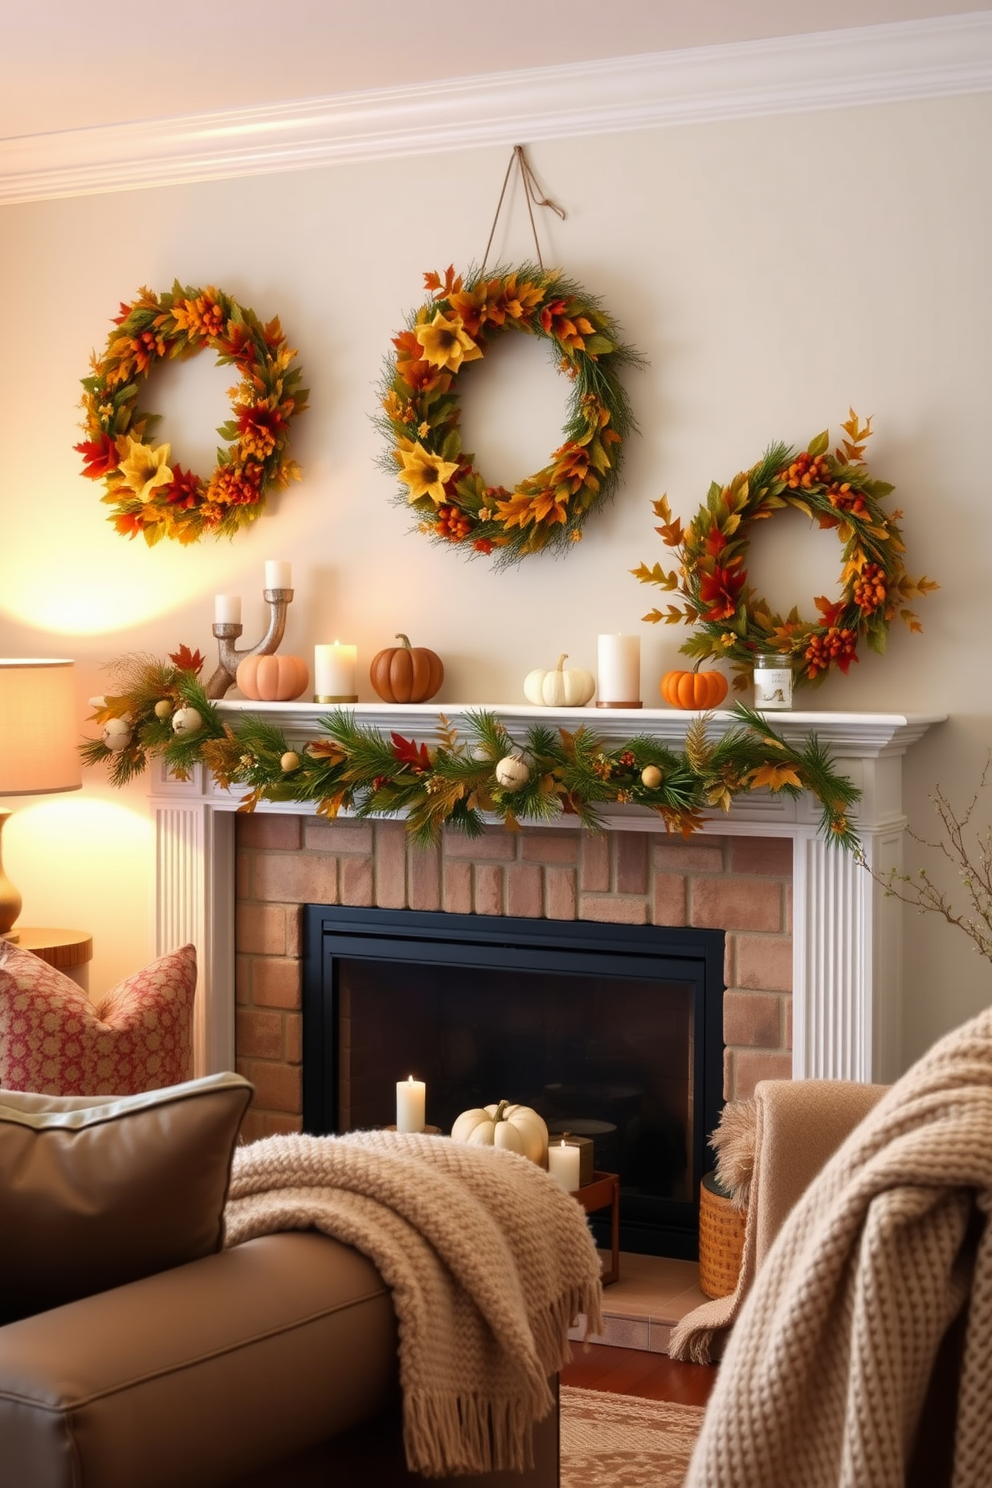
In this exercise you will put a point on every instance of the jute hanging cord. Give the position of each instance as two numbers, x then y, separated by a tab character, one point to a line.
452	502
533	198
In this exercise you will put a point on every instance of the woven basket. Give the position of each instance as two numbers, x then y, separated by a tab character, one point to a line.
721	1239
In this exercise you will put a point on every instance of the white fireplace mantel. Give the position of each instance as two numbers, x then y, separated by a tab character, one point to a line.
847	935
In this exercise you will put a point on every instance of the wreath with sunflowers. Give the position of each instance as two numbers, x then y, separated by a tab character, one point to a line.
420	392
149	492
731	620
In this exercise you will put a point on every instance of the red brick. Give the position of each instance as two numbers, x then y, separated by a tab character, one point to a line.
242	979
559	892
296	878
260	929
276	984
458	888
788	1022
632	862
488	897
258	1035
752	1065
524	890
669	899
613	911
390	865
554	845
495	845
594	875
338	836
242	876
252	1125
292	1033
278	1087
260	829
753	1019
767	855
356	882
275	1125
735	904
729	1089
690	857
294	930
764	962
730	961
425	877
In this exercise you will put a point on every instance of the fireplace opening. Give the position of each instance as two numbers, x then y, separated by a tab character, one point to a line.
611	1032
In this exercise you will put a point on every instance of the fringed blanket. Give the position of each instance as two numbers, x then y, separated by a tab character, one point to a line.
488	1259
863	1354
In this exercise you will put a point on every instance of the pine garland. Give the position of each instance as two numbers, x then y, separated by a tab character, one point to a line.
353	767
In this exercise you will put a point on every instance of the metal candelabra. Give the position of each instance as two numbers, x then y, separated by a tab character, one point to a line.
228	631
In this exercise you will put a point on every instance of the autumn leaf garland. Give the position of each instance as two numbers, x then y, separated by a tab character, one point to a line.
453	781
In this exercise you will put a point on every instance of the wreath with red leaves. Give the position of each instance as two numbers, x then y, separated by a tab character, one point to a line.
732	621
151	494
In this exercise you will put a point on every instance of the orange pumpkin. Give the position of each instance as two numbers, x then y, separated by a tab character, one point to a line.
406	674
273	679
703	690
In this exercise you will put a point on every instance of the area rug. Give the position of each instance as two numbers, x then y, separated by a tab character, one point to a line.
622	1441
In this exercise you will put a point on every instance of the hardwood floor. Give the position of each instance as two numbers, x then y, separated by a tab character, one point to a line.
623	1371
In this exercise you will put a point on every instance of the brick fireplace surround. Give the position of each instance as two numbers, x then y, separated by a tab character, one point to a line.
740	885
813	945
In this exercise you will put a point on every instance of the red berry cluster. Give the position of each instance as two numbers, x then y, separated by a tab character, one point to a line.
836	647
805	471
869	589
452	523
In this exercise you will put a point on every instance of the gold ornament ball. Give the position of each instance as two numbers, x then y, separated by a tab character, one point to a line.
289	762
511	773
163	708
651	777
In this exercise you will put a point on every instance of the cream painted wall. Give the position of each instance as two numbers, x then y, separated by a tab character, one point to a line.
773	272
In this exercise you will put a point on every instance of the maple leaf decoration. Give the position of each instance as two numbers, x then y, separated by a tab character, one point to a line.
774	777
407	752
187	660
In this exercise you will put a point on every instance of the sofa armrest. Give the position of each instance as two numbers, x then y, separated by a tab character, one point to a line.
198	1375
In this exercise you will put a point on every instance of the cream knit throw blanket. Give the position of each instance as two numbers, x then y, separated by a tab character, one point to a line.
825	1378
488	1259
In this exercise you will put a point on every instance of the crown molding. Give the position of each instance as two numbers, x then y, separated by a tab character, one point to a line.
787	75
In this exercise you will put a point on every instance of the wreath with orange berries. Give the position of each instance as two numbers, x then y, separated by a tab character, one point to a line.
149	493
733	622
420	394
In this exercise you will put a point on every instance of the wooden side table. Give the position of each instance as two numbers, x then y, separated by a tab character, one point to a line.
602	1193
69	951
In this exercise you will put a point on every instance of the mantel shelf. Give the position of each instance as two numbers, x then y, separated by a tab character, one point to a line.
849	735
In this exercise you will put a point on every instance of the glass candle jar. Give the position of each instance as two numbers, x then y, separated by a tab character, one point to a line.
772	681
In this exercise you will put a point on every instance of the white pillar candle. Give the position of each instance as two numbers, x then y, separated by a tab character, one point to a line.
563	1164
278	574
227	609
411	1105
619	675
334	672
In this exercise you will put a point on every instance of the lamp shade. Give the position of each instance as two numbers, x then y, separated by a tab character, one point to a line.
38	728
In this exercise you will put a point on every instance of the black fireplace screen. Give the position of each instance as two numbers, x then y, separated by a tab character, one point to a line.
610	1032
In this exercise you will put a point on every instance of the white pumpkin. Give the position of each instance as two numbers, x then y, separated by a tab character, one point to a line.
512	773
186	721
117	734
516	1128
560	688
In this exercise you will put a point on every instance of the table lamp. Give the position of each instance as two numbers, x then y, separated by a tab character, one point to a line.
38	754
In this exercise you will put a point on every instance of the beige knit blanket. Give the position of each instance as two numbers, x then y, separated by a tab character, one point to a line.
488	1259
832	1378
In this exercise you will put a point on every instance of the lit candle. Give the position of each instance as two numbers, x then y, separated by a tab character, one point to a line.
334	673
619	674
563	1164
278	574
411	1105
227	609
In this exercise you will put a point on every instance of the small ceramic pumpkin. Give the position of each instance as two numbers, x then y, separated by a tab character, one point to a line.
186	721
560	688
703	690
517	1128
405	673
273	679
512	773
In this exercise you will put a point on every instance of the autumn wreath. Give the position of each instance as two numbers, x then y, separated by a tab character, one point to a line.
420	396
731	620
149	494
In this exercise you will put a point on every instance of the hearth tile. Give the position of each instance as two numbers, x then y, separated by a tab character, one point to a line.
640	1310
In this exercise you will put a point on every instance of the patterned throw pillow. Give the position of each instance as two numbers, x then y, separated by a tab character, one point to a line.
54	1041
